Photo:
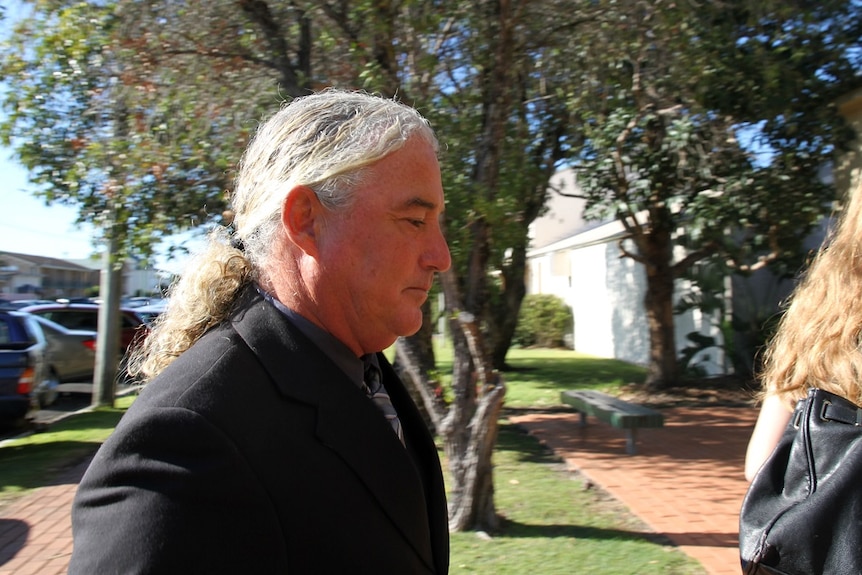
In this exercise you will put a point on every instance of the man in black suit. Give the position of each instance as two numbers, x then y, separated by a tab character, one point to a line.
261	442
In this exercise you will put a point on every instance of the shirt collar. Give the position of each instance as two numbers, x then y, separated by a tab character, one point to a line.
339	353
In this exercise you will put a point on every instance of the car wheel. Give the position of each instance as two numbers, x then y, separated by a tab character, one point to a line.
48	393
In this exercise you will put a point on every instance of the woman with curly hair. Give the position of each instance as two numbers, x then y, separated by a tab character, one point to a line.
817	344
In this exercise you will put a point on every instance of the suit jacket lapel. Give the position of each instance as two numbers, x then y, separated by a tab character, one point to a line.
348	422
421	445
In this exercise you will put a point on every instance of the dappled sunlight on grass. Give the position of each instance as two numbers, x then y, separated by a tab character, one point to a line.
551	523
32	461
537	376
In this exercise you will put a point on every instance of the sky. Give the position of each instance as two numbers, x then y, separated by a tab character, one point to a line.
27	225
30	227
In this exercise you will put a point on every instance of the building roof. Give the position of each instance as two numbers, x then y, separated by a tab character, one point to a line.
46	262
563	224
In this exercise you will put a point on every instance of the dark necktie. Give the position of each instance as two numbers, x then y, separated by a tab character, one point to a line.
375	390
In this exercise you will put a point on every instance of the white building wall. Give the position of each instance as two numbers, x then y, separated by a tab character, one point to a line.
591	303
606	293
625	286
140	282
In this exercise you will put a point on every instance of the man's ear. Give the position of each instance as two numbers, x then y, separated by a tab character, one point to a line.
301	216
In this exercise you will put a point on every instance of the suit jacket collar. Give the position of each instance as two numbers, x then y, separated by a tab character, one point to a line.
348	423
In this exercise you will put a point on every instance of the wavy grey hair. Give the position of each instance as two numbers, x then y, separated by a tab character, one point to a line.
324	141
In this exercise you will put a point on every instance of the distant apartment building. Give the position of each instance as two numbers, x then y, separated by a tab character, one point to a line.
25	276
29	276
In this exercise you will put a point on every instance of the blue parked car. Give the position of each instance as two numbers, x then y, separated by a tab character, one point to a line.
26	381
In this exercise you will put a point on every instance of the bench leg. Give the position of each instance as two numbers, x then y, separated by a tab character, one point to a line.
631	440
583	418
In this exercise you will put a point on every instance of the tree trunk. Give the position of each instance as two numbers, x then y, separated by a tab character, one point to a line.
470	433
502	318
108	341
414	361
663	368
470	427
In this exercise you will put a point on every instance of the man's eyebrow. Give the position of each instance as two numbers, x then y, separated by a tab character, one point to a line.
420	202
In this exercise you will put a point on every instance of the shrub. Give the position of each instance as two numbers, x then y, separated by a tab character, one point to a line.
544	321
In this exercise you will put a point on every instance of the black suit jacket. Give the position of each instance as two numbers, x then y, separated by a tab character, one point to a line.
253	453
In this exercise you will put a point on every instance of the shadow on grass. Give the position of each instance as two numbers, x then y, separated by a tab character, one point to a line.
515	530
514	438
57	454
32	466
564	372
561	369
524	448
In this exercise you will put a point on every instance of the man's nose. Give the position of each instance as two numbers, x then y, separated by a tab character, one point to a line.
438	257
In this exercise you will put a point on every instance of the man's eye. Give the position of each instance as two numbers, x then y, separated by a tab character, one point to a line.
416	223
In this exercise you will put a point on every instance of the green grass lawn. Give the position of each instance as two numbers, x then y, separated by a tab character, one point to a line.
539	375
29	462
551	523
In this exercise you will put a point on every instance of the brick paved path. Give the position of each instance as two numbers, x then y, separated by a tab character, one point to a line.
685	482
36	530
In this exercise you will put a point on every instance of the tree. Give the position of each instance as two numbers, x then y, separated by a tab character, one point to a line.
137	110
471	69
107	112
670	95
51	95
505	108
504	123
468	424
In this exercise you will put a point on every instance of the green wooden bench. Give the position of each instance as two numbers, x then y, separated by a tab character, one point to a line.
618	413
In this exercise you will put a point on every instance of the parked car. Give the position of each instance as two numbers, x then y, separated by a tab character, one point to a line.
26	383
77	299
71	354
151	311
138	301
19	303
86	317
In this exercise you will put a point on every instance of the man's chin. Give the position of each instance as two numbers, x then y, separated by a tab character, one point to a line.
412	327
